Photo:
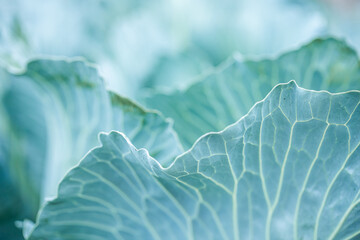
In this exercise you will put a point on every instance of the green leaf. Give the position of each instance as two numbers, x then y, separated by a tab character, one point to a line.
181	68
227	94
51	116
288	169
10	198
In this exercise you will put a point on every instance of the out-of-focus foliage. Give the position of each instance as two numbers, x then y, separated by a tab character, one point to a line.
138	43
343	18
222	97
51	116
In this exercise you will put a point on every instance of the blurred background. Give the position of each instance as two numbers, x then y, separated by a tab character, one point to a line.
140	45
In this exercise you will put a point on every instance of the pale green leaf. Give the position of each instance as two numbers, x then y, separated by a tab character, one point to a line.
51	116
224	96
289	169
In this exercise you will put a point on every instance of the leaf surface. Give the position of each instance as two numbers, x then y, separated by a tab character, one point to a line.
227	94
289	169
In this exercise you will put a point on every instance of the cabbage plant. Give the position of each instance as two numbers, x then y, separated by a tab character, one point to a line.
268	157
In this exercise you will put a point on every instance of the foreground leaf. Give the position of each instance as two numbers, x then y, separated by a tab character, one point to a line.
226	95
288	169
51	116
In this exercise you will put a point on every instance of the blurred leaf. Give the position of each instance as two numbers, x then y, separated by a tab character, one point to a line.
129	39
343	19
228	93
177	72
51	116
236	184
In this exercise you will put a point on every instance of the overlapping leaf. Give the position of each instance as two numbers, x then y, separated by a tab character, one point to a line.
226	95
51	116
289	169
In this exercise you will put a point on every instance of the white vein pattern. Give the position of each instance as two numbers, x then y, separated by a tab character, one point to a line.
289	169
